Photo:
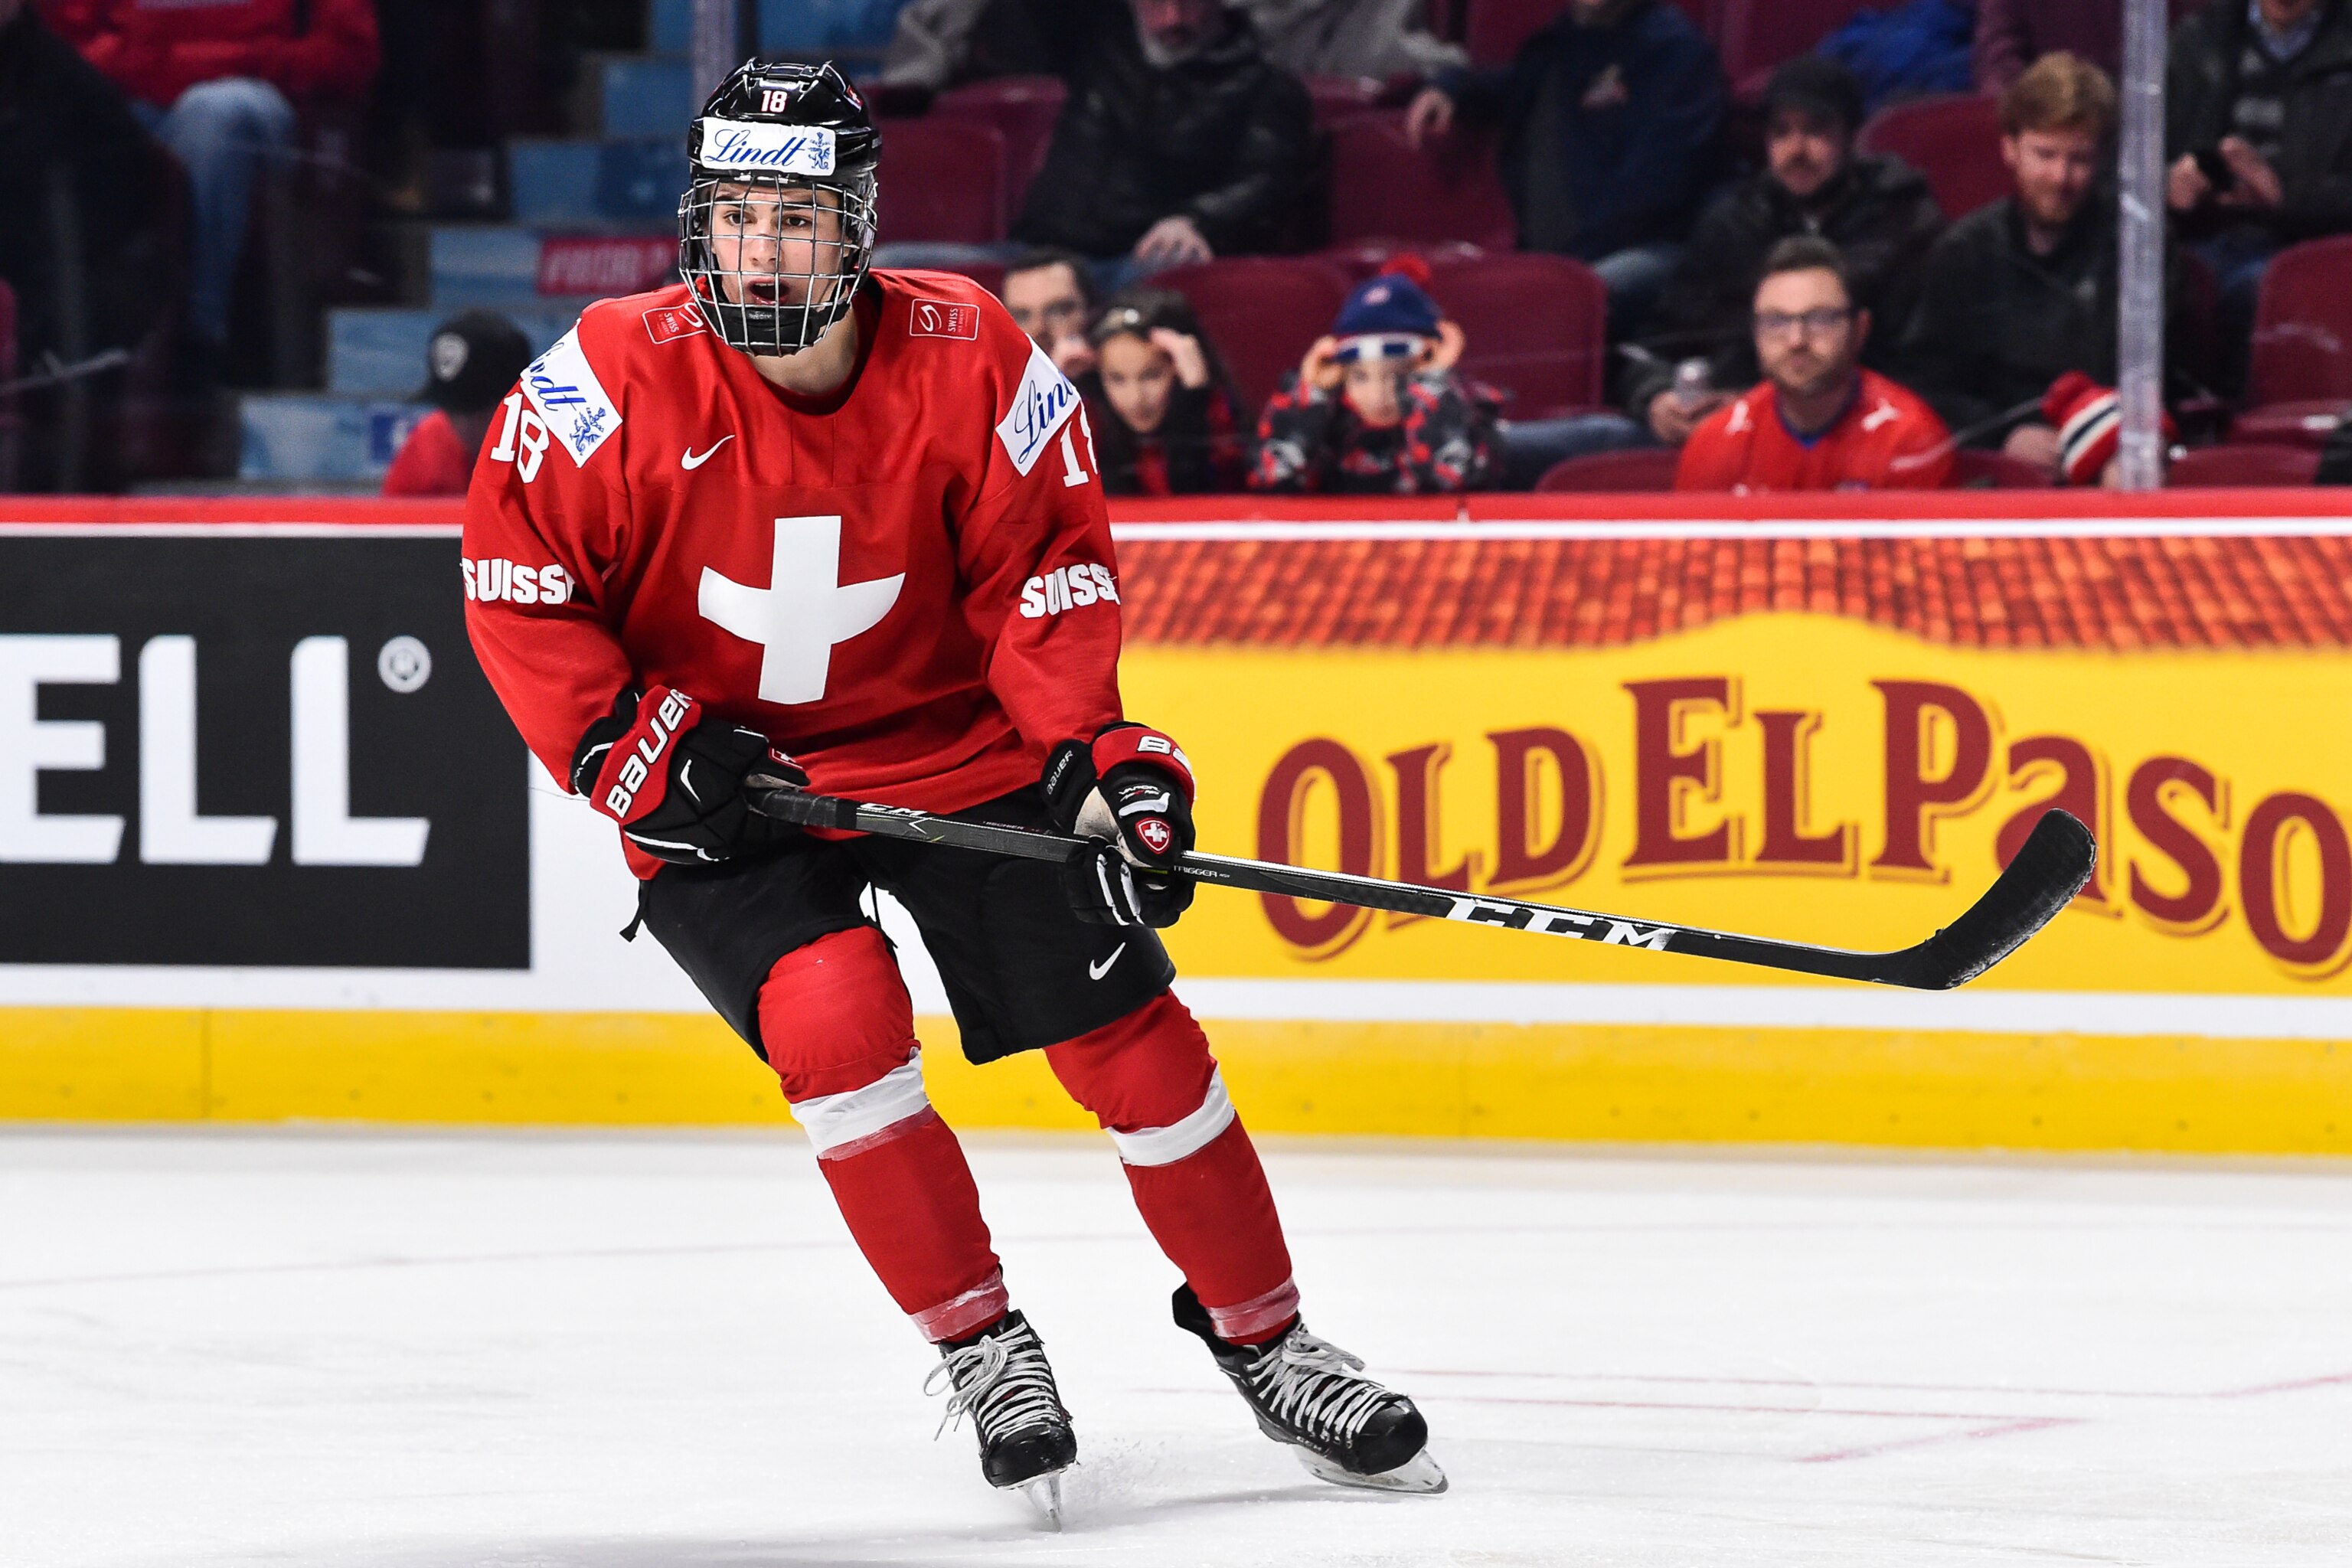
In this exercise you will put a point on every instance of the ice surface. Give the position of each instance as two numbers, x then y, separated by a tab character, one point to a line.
661	1351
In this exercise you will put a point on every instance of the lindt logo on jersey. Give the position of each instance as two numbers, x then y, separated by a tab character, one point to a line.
1041	404
781	150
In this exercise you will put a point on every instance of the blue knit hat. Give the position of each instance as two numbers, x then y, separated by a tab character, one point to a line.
1391	305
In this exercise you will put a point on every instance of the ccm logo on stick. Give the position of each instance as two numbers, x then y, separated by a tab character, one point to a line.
1067	588
494	579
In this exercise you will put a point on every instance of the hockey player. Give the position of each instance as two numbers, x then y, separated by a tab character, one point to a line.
793	515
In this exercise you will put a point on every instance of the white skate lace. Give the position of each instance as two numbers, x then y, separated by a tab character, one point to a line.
1004	1379
1311	1385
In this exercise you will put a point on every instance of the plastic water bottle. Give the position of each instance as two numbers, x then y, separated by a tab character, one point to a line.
1694	379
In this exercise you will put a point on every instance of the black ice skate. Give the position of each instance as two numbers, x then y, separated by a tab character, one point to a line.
1345	1428
1001	1376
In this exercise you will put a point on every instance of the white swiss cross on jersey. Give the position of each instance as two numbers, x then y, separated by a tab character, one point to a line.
803	611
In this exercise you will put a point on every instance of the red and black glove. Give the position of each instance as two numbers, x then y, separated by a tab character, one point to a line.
2089	420
1130	790
673	779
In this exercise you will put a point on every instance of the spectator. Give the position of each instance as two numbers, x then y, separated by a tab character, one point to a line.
2258	124
1165	417
1609	119
80	242
1375	408
2020	292
1381	39
1819	421
1878	211
219	84
2011	35
1047	293
1919	48
1180	141
470	363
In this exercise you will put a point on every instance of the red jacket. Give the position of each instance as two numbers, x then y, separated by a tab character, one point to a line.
159	51
909	587
1887	439
432	462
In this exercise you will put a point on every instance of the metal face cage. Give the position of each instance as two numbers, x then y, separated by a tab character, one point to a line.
774	263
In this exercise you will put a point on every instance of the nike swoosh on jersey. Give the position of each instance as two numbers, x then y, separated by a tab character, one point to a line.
1097	971
694	460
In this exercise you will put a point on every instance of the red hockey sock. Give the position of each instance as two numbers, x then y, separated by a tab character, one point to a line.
909	1201
1150	1081
837	1026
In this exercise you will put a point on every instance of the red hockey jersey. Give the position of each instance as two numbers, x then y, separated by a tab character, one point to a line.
908	586
1888	438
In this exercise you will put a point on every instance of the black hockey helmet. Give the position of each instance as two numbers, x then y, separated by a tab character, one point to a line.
770	272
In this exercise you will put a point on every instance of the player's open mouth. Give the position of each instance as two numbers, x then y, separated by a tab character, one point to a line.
763	292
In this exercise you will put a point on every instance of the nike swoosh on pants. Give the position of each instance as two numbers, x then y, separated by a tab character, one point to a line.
1097	971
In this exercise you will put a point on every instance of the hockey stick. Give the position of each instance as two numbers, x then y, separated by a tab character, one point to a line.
2056	859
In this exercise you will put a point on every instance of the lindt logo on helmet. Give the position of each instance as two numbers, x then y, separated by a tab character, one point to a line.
771	149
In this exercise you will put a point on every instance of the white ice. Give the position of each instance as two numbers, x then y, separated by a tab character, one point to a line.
661	1351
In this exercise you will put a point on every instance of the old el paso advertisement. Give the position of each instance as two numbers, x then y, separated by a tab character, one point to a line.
252	747
1833	741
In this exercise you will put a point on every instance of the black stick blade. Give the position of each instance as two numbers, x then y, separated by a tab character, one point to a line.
2051	867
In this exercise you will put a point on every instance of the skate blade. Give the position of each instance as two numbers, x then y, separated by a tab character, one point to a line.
1418	1473
1044	1495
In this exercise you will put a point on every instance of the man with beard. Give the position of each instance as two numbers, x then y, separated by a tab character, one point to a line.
2021	293
1819	421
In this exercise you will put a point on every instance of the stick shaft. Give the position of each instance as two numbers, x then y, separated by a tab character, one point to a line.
2035	887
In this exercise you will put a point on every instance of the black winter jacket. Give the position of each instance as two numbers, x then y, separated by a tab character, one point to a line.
2315	163
1878	211
1995	324
1222	138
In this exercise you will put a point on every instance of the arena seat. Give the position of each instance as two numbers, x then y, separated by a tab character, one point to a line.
942	179
2235	466
2301	369
1954	139
1754	36
1535	325
1022	108
1640	470
1980	471
1384	188
1262	311
1365	258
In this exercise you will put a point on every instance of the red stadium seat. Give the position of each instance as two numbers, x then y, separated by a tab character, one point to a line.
1954	139
1535	325
1756	34
1023	107
2302	366
1976	470
2231	466
1262	311
1494	29
1642	470
942	179
1364	259
1383	188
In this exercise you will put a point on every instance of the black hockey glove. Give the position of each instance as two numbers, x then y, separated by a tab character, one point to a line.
673	779
1130	789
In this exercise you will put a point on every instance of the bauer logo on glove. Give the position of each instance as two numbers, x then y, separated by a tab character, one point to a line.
673	778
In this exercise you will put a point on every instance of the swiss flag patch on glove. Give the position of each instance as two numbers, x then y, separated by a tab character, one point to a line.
1131	786
673	778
